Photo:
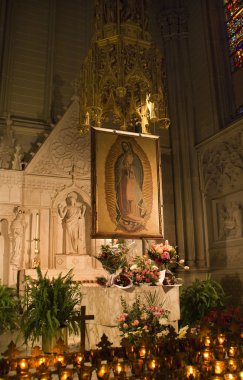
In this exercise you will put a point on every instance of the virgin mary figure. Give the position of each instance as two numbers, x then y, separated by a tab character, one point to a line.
129	175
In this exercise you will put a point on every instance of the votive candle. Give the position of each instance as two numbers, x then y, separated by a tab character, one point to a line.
23	364
207	355
219	367
207	341
232	365
152	365
103	371
232	351
191	371
221	339
230	376
142	352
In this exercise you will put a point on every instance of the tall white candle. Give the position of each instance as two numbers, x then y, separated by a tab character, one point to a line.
37	225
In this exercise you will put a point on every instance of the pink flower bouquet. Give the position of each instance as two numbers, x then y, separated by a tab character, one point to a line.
165	256
141	322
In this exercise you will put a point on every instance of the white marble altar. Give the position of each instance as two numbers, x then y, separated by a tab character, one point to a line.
105	305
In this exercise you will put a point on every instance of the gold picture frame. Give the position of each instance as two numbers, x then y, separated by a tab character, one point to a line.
126	185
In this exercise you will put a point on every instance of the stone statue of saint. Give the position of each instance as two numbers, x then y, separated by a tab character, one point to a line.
73	222
17	233
143	112
151	108
18	158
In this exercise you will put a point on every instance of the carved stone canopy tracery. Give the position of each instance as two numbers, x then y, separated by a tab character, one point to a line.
123	80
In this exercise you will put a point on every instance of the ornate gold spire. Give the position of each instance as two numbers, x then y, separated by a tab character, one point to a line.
122	76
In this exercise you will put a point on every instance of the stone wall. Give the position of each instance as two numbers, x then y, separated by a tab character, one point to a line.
221	177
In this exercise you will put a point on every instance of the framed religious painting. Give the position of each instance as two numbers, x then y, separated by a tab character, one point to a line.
126	185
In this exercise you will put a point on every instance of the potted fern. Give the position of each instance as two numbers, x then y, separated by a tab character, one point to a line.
9	309
197	299
51	308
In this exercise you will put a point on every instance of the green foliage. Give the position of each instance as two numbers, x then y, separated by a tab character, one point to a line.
9	309
152	298
198	299
50	304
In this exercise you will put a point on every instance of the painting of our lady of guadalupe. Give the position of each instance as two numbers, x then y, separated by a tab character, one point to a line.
127	192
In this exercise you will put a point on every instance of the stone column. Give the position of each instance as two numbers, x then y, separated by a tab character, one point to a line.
188	204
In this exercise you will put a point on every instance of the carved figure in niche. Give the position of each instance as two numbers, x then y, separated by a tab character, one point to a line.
18	157
17	233
222	216
143	112
229	220
128	182
73	222
236	214
151	107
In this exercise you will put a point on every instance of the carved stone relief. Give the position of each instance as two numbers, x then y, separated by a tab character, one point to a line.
229	218
222	166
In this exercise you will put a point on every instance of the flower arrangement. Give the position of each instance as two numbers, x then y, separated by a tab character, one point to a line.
122	281
142	270
165	256
219	320
142	322
113	256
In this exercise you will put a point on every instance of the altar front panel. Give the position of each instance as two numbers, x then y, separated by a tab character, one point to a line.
105	305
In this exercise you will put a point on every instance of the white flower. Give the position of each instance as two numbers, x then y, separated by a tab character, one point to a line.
154	267
133	267
162	333
163	321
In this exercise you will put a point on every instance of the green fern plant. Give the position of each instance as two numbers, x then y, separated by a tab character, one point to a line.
9	309
50	304
197	299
